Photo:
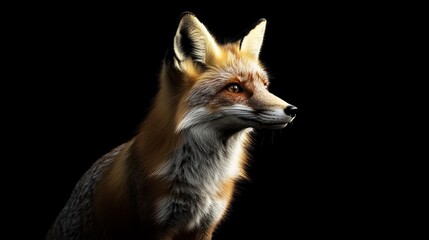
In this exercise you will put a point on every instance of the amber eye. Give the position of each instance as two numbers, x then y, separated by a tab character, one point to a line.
266	84
234	88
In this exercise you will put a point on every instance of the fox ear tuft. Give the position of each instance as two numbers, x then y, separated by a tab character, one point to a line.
252	42
193	40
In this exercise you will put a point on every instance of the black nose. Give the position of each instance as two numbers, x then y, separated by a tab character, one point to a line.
291	111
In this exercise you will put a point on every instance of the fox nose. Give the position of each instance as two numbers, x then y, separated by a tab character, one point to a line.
291	111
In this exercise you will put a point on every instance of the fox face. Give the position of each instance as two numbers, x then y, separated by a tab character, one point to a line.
223	86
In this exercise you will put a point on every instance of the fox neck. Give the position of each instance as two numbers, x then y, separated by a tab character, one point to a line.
205	158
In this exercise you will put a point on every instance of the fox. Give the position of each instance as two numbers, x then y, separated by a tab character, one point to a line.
176	178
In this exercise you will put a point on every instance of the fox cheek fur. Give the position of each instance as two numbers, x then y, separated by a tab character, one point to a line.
176	178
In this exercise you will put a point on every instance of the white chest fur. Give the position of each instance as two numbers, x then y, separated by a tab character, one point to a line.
196	170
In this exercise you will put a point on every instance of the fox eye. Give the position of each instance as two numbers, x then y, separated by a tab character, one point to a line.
234	88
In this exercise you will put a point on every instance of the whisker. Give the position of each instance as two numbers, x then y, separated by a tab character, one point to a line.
272	136
262	139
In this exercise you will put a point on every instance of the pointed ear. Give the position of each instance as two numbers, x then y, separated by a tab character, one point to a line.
252	42
193	40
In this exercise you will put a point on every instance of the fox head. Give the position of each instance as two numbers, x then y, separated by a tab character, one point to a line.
222	86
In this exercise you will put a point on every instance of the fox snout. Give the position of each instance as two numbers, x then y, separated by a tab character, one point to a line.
276	118
271	111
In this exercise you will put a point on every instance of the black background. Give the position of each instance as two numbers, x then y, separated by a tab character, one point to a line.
90	71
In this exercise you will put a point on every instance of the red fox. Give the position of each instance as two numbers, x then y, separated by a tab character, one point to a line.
175	179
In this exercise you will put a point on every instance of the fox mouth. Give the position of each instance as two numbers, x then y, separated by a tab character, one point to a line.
272	119
266	124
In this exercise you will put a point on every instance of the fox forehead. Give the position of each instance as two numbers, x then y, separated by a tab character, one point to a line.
232	64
